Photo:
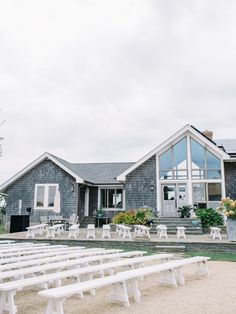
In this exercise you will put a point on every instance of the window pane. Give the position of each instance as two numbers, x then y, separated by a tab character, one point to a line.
214	191
40	196
181	174
198	155
119	198
111	198
166	175
103	199
169	192
212	161
51	195
180	154
166	160
199	194
213	174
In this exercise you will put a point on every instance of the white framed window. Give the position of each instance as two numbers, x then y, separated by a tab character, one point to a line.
44	197
111	198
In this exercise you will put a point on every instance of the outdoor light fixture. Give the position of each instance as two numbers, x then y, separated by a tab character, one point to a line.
152	186
72	188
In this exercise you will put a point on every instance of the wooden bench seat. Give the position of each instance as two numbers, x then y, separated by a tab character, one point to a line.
171	276
32	231
48	253
141	231
56	229
8	289
123	231
73	231
32	251
52	259
74	263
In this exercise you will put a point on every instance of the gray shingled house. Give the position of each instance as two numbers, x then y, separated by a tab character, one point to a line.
188	168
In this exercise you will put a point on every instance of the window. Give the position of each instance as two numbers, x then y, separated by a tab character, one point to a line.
209	193
45	196
173	162
111	198
205	165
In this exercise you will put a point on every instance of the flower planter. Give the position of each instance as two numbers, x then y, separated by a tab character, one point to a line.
195	223
231	229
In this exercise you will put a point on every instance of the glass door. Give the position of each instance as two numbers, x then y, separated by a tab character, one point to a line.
173	197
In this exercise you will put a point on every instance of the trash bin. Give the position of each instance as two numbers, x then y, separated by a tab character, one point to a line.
19	223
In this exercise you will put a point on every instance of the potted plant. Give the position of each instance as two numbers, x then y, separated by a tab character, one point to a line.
100	212
185	211
195	220
228	208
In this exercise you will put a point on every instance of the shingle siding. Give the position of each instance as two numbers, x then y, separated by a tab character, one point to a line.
230	179
138	186
24	189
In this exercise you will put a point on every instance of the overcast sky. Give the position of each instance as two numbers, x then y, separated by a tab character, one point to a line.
94	81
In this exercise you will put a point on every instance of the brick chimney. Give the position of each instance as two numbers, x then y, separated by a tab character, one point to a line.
208	134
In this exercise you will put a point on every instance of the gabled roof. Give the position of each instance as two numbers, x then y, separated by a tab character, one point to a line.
97	173
186	128
94	173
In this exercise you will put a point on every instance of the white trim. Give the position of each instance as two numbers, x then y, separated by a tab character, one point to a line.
46	189
223	189
35	163
86	201
174	137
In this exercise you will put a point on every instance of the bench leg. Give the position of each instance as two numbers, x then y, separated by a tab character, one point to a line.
7	302
202	269
168	278
179	277
119	293
133	290
55	306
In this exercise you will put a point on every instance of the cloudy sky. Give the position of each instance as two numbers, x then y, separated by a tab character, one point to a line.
93	81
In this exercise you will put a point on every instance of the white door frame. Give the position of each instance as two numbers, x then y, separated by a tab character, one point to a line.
86	202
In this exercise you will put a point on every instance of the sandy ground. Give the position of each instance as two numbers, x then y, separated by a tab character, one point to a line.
214	294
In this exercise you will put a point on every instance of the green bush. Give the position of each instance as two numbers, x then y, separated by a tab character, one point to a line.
140	217
209	217
185	211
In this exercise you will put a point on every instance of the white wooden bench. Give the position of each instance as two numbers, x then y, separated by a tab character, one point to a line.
32	231
106	231
215	233
53	259
55	229
22	250
48	253
141	231
9	289
161	231
120	291
34	251
90	231
123	231
84	262
181	232
73	231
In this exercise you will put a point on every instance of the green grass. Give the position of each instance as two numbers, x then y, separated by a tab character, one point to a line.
229	257
2	230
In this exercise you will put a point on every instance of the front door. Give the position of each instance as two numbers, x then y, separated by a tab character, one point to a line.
173	197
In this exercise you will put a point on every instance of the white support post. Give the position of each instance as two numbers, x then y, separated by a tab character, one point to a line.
168	278
119	293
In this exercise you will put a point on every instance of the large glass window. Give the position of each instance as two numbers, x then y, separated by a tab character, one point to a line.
45	196
111	198
205	165
173	162
208	194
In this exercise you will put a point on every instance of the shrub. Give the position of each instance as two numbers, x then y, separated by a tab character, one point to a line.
209	217
185	211
140	217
